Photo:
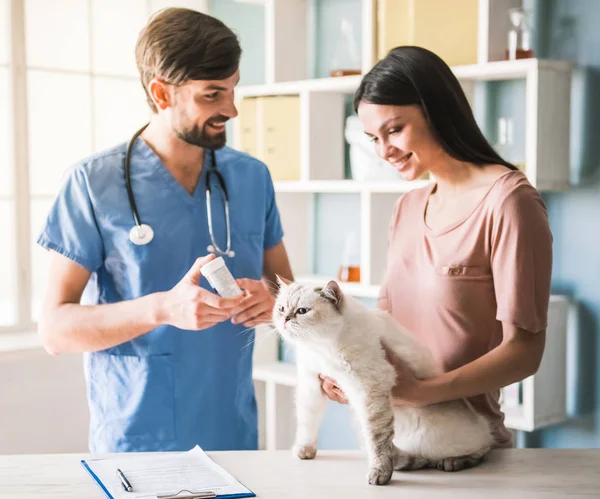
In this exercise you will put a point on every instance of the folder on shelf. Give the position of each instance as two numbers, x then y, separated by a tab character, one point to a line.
174	475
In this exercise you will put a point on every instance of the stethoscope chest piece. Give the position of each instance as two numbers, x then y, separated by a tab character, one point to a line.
141	234
211	249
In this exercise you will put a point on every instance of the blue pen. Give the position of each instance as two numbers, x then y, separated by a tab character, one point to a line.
126	485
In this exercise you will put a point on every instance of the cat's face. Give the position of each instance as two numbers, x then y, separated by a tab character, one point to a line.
305	314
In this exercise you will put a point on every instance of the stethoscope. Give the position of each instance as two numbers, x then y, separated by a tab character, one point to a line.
142	234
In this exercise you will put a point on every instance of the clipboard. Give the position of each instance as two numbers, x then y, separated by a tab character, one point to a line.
172	475
186	494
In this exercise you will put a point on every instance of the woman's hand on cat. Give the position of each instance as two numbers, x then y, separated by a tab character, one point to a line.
408	391
331	390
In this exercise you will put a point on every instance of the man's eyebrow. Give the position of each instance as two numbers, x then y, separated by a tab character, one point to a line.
215	87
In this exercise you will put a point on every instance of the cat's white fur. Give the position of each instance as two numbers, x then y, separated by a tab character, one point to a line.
339	337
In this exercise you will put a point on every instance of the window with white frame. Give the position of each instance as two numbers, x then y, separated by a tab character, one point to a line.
82	94
8	271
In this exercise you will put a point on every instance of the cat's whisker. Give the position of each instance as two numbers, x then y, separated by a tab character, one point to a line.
256	341
251	328
272	285
244	331
261	338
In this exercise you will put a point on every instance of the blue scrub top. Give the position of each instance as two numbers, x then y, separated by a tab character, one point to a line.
169	389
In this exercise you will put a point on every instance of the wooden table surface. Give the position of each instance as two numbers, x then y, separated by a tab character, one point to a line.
514	474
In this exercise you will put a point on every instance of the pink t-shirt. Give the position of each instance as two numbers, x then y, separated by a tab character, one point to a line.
454	287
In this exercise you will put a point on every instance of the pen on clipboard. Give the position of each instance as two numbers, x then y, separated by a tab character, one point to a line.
124	482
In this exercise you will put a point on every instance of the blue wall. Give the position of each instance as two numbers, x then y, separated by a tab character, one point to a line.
564	29
570	30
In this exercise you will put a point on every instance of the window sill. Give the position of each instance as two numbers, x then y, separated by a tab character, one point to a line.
14	342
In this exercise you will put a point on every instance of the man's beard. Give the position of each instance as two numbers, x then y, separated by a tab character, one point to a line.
201	137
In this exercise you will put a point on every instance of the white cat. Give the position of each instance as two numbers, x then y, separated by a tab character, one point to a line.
337	336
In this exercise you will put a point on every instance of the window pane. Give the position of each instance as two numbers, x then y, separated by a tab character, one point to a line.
39	256
4	33
6	167
8	267
118	98
56	34
199	5
116	27
59	127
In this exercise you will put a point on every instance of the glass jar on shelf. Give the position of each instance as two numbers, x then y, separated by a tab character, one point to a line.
346	58
350	266
519	36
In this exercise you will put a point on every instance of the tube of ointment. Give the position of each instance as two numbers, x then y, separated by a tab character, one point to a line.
219	277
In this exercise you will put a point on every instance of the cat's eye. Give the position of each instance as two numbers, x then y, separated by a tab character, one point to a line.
281	309
301	311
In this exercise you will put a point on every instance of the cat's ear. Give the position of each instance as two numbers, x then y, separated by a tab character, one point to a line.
282	281
333	293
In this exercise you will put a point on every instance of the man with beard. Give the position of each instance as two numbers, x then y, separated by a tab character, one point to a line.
168	363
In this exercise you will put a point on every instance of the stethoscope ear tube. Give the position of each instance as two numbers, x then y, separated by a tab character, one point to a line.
220	179
214	247
127	174
142	233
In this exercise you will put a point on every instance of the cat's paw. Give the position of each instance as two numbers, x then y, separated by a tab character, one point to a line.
459	463
380	475
305	451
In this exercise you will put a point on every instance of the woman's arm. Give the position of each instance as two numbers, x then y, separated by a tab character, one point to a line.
517	357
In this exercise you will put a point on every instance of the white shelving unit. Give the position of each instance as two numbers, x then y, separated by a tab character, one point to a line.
288	28
321	135
548	93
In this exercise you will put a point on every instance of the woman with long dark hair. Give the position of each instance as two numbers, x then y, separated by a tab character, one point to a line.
470	255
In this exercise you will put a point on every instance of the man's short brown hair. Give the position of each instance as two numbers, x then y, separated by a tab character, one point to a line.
179	44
